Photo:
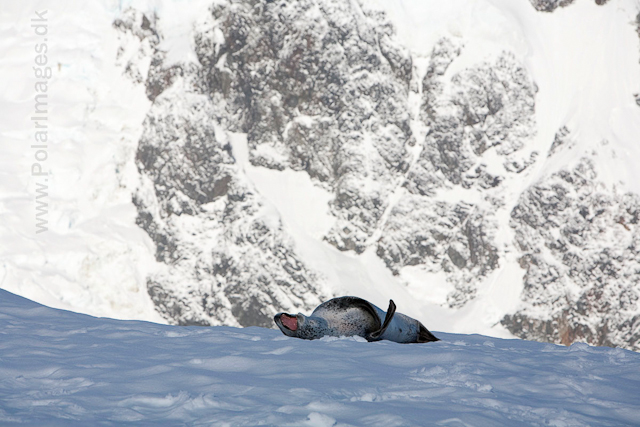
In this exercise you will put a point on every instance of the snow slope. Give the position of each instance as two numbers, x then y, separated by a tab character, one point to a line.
63	368
93	258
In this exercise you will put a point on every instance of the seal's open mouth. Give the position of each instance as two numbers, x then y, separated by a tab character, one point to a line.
289	322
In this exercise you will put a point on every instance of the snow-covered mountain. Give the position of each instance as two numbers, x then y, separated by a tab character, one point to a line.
472	159
60	369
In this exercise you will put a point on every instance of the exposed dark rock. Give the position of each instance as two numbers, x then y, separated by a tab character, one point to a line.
138	39
226	262
491	107
561	139
550	5
319	86
138	24
637	96
581	252
440	237
488	107
519	165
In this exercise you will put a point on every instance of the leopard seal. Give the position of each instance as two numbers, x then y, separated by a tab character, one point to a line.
351	316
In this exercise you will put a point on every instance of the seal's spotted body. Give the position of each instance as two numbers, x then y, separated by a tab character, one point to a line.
350	316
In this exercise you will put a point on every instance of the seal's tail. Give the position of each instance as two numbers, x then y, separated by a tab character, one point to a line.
425	336
374	336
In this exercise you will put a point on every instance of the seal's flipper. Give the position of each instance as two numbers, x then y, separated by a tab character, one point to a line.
390	312
425	336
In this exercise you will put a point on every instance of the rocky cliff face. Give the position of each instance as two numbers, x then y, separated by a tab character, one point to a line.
484	110
425	169
318	86
580	248
551	5
228	259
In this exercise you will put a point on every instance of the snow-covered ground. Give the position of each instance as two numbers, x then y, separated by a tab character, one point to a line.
63	368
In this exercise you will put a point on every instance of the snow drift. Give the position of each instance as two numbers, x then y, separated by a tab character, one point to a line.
474	160
63	368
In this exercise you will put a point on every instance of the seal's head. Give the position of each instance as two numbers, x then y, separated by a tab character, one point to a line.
301	326
288	323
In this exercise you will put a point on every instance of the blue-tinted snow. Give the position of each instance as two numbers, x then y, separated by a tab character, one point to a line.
63	368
